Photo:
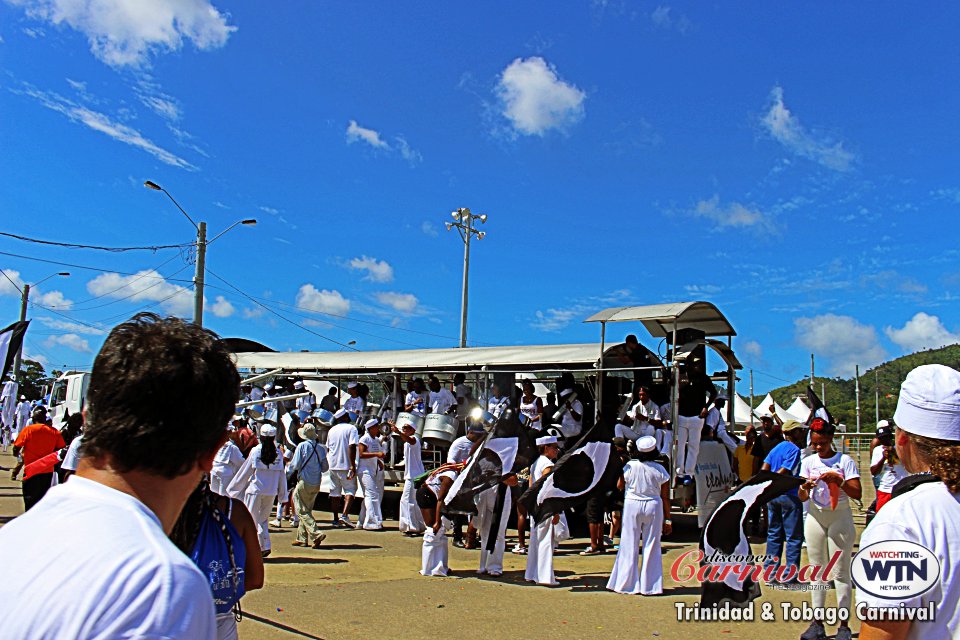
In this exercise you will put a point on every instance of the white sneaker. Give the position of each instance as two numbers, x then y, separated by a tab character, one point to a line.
276	523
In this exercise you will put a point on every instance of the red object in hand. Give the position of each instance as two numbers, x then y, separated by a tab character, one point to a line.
833	479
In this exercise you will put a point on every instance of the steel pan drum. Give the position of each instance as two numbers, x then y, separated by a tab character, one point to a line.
325	417
412	419
439	429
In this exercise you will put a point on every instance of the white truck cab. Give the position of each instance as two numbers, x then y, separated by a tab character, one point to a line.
68	396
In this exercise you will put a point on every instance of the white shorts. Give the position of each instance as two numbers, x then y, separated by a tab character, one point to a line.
339	485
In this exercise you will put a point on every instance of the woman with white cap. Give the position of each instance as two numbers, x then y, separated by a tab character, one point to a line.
411	520
370	471
646	516
925	507
540	550
260	481
226	463
355	404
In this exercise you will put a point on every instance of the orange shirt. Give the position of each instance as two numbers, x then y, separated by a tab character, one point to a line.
38	440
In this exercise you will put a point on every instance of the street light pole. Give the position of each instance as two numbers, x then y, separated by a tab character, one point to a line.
464	226
24	300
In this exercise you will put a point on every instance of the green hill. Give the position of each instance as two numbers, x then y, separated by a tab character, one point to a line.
840	393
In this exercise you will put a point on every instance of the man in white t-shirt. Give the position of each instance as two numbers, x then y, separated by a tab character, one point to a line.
885	463
416	400
571	423
92	559
342	441
924	509
355	403
441	399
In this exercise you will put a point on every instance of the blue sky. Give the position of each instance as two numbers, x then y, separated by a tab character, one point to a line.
798	168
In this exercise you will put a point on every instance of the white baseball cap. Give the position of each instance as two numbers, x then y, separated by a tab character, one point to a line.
268	431
929	402
372	422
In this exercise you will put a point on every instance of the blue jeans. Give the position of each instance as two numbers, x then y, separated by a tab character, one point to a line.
784	524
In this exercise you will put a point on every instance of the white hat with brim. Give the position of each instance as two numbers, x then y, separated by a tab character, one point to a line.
307	432
352	385
268	431
372	422
929	403
646	443
545	440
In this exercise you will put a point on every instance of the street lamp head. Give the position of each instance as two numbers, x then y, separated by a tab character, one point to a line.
449	226
351	343
481	235
250	222
64	273
455	214
150	184
483	217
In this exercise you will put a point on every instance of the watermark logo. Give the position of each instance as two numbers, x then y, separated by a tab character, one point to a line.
895	569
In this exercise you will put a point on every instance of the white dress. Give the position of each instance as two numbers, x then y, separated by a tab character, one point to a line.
371	477
434	555
411	520
642	518
540	549
258	485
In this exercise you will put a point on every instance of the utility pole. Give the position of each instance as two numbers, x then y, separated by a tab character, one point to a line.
23	316
876	400
198	275
751	397
857	388
811	370
463	223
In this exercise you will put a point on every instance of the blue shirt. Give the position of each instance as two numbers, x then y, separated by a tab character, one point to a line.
785	455
310	461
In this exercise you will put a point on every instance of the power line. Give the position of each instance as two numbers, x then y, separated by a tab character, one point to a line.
4	272
80	266
71	245
127	284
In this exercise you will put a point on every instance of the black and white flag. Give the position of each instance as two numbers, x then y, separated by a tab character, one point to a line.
507	449
724	534
816	404
591	466
10	340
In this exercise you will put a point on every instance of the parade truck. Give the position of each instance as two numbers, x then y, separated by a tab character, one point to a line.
68	396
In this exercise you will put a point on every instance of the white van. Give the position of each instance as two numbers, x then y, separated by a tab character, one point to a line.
68	395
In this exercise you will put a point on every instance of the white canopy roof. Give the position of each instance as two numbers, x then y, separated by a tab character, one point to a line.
763	409
515	358
659	318
742	412
799	409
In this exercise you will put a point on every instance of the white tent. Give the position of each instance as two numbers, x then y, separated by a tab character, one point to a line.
763	409
741	412
799	409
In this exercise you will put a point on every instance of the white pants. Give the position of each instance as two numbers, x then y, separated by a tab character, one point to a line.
640	518
411	520
260	507
561	531
688	443
665	442
433	559
826	532
540	554
492	561
370	516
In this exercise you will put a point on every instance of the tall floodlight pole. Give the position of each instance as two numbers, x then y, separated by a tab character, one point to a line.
201	245
463	223
876	389
857	388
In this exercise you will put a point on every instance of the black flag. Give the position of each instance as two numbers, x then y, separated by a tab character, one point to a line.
11	339
816	403
507	449
590	466
724	534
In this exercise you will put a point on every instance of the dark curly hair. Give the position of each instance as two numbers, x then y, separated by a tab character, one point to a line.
161	394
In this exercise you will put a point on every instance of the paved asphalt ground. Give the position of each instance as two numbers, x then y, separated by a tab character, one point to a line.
366	584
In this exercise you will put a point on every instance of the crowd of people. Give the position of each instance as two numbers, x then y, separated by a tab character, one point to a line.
182	509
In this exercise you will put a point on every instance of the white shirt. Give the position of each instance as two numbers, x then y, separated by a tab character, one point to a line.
72	457
23	414
412	461
459	450
812	467
928	515
419	402
62	566
570	427
256	477
642	480
463	391
373	446
538	466
306	403
433	482
497	404
441	401
226	462
891	474
714	419
339	440
354	404
644	412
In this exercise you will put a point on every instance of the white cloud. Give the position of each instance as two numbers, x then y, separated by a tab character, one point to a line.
408	153
377	270
8	288
702	289
270	210
753	349
251	313
922	331
69	340
787	130
72	327
405	303
842	340
53	300
732	215
555	319
144	286
104	124
222	308
662	18
534	98
322	301
33	32
164	106
125	33
356	133
429	229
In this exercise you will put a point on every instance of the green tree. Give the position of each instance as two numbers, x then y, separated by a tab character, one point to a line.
33	378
